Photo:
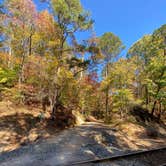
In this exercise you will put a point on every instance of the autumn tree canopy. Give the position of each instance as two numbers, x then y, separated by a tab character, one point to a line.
41	59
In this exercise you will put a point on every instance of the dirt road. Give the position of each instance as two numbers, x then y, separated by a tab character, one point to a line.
88	141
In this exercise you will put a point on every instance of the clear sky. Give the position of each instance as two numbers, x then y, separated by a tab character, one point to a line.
129	19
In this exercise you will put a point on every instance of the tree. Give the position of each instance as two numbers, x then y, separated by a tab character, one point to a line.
122	98
121	78
141	51
46	38
157	80
1	26
20	18
157	67
110	46
150	59
71	18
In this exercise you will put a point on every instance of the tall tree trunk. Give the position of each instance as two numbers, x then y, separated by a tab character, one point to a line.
22	65
106	102
147	96
159	111
158	90
154	105
30	44
81	75
55	100
106	94
10	58
55	103
21	73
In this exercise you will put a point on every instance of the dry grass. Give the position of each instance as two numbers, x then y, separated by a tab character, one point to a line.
136	136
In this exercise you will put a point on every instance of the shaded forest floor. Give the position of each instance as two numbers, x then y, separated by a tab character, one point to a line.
21	126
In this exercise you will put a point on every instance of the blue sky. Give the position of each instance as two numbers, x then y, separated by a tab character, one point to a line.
129	19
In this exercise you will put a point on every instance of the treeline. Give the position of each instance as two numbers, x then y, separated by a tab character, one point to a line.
42	62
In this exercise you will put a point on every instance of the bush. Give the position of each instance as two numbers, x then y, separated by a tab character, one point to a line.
7	78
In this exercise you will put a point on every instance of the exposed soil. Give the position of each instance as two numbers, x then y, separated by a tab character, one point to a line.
20	125
39	143
88	141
